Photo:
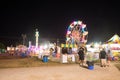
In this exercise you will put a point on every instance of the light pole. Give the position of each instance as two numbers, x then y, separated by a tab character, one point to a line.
36	35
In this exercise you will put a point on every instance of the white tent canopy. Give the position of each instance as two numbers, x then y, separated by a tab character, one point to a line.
114	39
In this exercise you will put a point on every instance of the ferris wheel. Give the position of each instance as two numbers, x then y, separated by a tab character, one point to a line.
76	33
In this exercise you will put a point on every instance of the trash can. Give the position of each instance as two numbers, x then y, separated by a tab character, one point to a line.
91	67
45	58
23	55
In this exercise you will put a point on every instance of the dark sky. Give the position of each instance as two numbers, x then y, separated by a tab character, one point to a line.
53	18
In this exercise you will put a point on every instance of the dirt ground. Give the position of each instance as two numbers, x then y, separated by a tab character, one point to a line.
68	72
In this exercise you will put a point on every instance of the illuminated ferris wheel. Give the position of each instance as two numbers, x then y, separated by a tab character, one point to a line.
76	33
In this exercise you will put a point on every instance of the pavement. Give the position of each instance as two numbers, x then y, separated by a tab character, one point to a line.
66	72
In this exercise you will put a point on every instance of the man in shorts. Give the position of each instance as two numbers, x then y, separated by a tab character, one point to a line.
102	56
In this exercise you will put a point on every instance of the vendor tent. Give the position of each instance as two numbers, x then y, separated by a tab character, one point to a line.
114	39
114	45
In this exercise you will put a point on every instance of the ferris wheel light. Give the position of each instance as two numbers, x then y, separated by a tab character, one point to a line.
85	33
75	22
68	32
79	22
68	39
84	25
71	26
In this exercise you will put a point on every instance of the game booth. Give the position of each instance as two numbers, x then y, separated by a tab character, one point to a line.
113	44
68	52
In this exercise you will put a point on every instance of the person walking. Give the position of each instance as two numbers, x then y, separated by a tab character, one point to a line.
109	57
81	56
102	56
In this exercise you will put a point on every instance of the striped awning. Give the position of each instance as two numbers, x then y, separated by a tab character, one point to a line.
69	45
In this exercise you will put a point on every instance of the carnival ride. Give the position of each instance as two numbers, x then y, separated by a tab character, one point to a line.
77	33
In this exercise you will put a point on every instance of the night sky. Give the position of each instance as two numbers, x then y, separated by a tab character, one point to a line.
53	18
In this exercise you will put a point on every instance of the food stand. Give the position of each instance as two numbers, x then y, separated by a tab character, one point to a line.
113	44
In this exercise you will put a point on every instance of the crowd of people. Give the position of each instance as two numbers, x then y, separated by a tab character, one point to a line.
105	57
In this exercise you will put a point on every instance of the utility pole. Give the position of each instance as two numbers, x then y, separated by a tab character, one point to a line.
24	37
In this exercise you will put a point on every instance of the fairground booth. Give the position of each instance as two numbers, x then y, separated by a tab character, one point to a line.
68	52
113	44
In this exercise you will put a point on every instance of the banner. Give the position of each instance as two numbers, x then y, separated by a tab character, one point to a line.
69	45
